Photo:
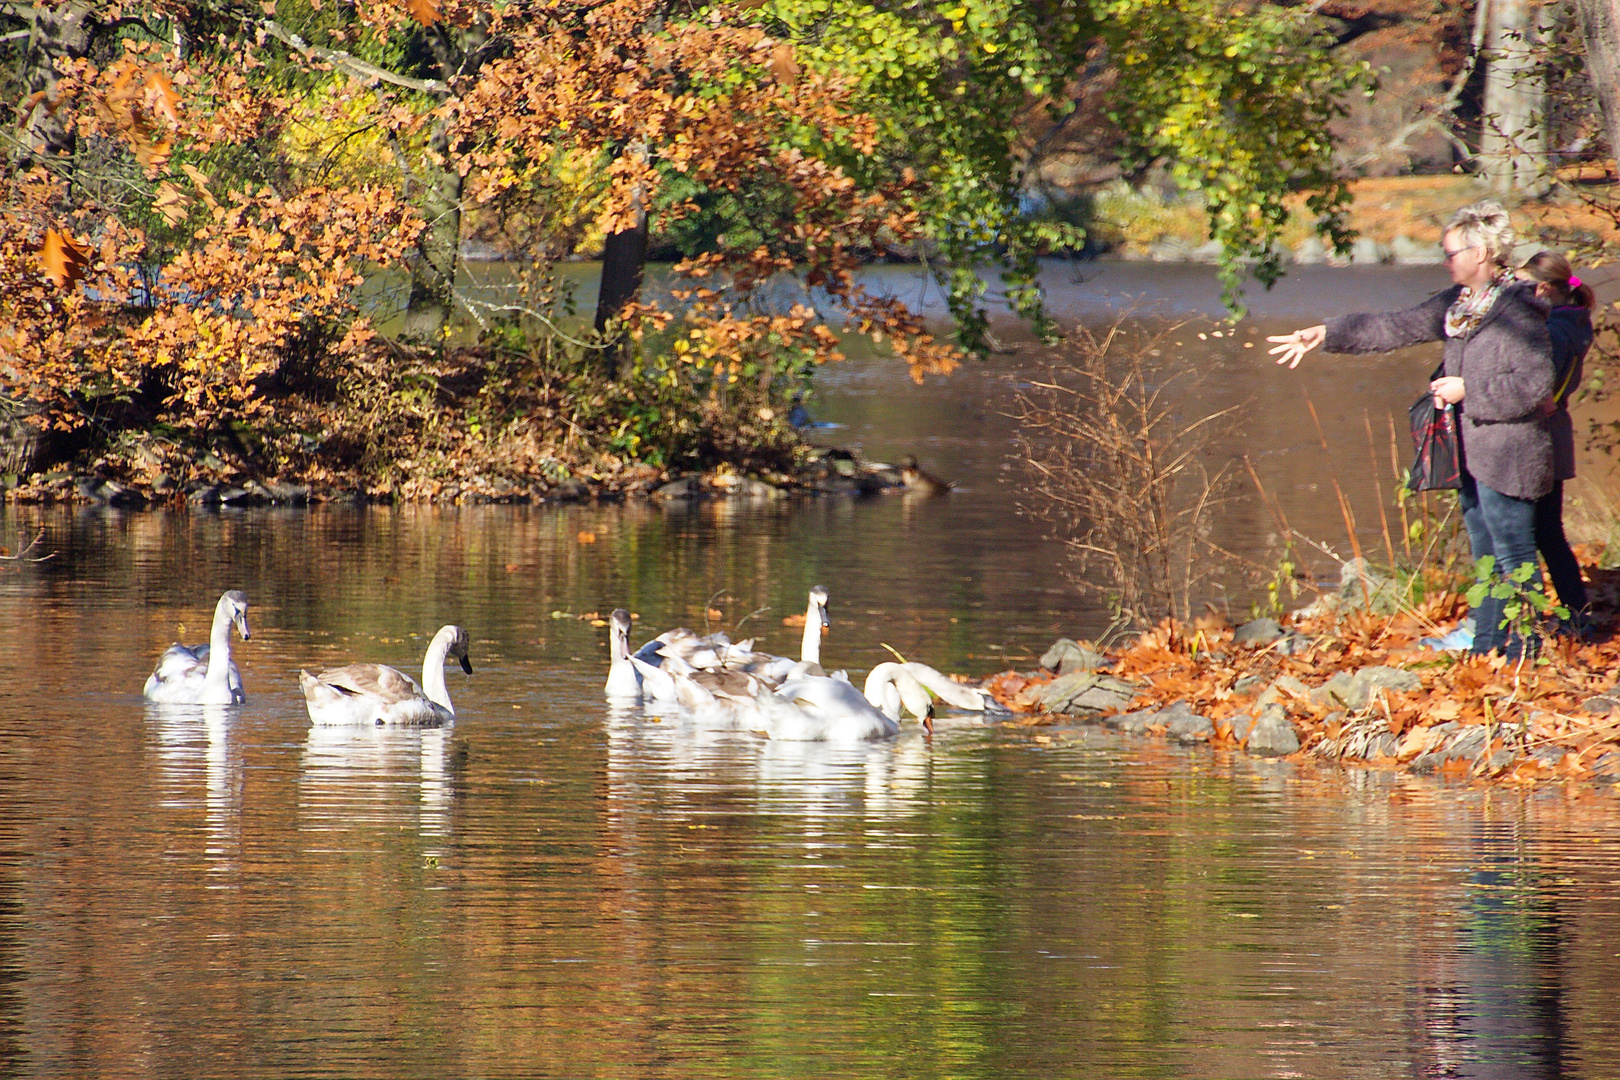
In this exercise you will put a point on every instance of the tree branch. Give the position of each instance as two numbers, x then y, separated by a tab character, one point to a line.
351	64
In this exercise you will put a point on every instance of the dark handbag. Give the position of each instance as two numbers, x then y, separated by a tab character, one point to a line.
1438	465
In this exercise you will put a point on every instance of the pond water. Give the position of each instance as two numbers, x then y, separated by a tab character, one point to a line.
550	887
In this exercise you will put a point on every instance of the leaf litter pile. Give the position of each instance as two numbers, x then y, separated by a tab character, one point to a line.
1358	688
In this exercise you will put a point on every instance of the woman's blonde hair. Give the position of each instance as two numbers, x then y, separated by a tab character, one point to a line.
1485	224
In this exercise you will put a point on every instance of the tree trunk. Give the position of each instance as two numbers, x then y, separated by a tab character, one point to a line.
438	249
459	53
63	33
624	261
1600	26
1513	134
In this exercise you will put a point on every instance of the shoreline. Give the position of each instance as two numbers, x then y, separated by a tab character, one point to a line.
1345	682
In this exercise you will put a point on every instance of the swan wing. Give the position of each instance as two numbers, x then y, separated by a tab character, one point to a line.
367	694
377	681
178	663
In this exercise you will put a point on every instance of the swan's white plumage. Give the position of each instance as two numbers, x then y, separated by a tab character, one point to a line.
623	680
204	674
378	694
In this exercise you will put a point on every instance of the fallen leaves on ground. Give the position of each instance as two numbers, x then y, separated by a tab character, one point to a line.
1545	719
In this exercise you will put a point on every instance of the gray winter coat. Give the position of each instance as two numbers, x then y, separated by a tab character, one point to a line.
1507	372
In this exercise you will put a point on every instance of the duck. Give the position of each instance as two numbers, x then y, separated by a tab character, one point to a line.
377	694
915	479
204	674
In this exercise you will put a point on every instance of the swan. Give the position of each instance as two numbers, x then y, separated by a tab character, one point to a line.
774	669
377	694
681	651
823	708
895	691
804	708
204	674
815	621
623	680
911	687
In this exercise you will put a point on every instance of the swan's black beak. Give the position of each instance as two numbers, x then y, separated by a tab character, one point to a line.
825	621
242	628
466	665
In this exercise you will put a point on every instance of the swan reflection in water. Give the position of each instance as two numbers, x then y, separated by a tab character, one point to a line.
357	777
193	740
692	765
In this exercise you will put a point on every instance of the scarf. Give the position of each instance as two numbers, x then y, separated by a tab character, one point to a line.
1468	310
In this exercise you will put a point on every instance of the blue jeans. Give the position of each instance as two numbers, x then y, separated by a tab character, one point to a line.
1505	527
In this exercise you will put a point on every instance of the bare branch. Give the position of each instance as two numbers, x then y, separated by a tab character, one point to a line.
345	61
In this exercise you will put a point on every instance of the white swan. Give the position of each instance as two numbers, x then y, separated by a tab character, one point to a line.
774	669
204	674
622	681
815	621
912	687
377	694
896	691
681	651
824	708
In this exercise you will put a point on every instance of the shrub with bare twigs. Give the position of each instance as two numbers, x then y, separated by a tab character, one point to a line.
1115	449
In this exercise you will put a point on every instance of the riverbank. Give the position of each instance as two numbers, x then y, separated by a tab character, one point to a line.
1396	219
1344	683
809	471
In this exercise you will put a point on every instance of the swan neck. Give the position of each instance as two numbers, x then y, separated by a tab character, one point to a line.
433	673
219	647
810	648
877	680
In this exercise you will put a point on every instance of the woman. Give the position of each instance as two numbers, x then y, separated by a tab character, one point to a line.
1569	325
1497	371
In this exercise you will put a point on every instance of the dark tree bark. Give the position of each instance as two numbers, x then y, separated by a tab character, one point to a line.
64	33
1600	26
624	261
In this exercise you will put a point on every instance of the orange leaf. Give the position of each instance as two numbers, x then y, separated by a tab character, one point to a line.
150	154
172	203
783	66
425	12
63	258
160	94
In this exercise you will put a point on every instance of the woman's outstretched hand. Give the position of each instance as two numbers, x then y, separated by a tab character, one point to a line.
1291	348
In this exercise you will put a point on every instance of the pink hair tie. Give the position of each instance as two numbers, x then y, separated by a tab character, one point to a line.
1574	282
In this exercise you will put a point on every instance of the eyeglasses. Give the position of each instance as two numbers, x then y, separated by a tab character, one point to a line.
1449	255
